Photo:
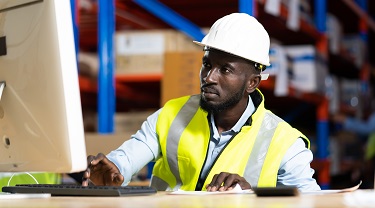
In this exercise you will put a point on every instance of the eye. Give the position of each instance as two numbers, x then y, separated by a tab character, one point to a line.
206	65
226	70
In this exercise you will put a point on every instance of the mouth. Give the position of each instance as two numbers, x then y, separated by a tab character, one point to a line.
209	91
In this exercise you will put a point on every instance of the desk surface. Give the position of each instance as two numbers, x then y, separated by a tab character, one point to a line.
165	200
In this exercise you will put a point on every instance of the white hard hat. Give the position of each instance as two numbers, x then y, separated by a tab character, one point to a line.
239	34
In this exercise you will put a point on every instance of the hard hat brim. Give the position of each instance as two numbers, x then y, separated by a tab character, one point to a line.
264	76
220	49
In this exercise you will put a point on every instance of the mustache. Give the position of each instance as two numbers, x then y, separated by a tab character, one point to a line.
209	88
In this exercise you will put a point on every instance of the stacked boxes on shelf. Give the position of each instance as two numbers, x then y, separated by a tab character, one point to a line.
181	74
143	51
297	66
168	52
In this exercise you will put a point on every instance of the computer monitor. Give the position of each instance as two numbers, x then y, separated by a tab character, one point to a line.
41	125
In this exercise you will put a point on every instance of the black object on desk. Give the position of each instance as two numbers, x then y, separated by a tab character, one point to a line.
276	191
78	190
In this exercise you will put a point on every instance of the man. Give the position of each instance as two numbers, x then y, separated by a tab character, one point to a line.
365	129
222	137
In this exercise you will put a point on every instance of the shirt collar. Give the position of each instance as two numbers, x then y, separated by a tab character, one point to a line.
250	108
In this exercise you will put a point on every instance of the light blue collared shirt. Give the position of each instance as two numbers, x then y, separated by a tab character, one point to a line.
144	147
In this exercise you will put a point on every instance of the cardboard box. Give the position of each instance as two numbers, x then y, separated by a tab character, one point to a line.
124	122
308	69
139	64
181	74
104	143
130	122
142	51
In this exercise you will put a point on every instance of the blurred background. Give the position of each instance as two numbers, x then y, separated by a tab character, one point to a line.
134	55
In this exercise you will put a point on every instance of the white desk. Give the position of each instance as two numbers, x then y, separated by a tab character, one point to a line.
165	200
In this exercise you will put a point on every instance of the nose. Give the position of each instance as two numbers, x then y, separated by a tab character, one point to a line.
210	76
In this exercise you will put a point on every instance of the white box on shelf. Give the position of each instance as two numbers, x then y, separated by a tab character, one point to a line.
276	60
356	47
334	33
308	69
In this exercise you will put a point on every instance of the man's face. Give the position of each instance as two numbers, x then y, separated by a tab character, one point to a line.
224	81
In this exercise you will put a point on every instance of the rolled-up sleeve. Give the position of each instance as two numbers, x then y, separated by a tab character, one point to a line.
142	148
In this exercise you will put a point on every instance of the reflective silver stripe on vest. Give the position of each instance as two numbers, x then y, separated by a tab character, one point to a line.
260	149
178	126
159	184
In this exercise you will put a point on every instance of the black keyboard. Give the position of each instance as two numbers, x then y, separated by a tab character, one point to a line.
78	190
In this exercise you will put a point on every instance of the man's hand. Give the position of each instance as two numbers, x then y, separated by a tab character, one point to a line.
226	182
101	171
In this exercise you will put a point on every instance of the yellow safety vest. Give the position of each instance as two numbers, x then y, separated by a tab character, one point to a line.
184	135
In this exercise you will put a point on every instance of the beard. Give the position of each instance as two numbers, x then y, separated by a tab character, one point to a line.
226	104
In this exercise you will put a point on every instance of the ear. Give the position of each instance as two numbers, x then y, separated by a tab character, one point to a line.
253	82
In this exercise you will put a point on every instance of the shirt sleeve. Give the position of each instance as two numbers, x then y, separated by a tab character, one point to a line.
295	168
138	151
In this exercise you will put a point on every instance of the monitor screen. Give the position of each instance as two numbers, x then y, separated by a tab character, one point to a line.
41	127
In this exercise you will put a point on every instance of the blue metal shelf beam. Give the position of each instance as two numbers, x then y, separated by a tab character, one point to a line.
363	5
172	18
246	6
320	15
106	88
322	123
73	8
322	120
